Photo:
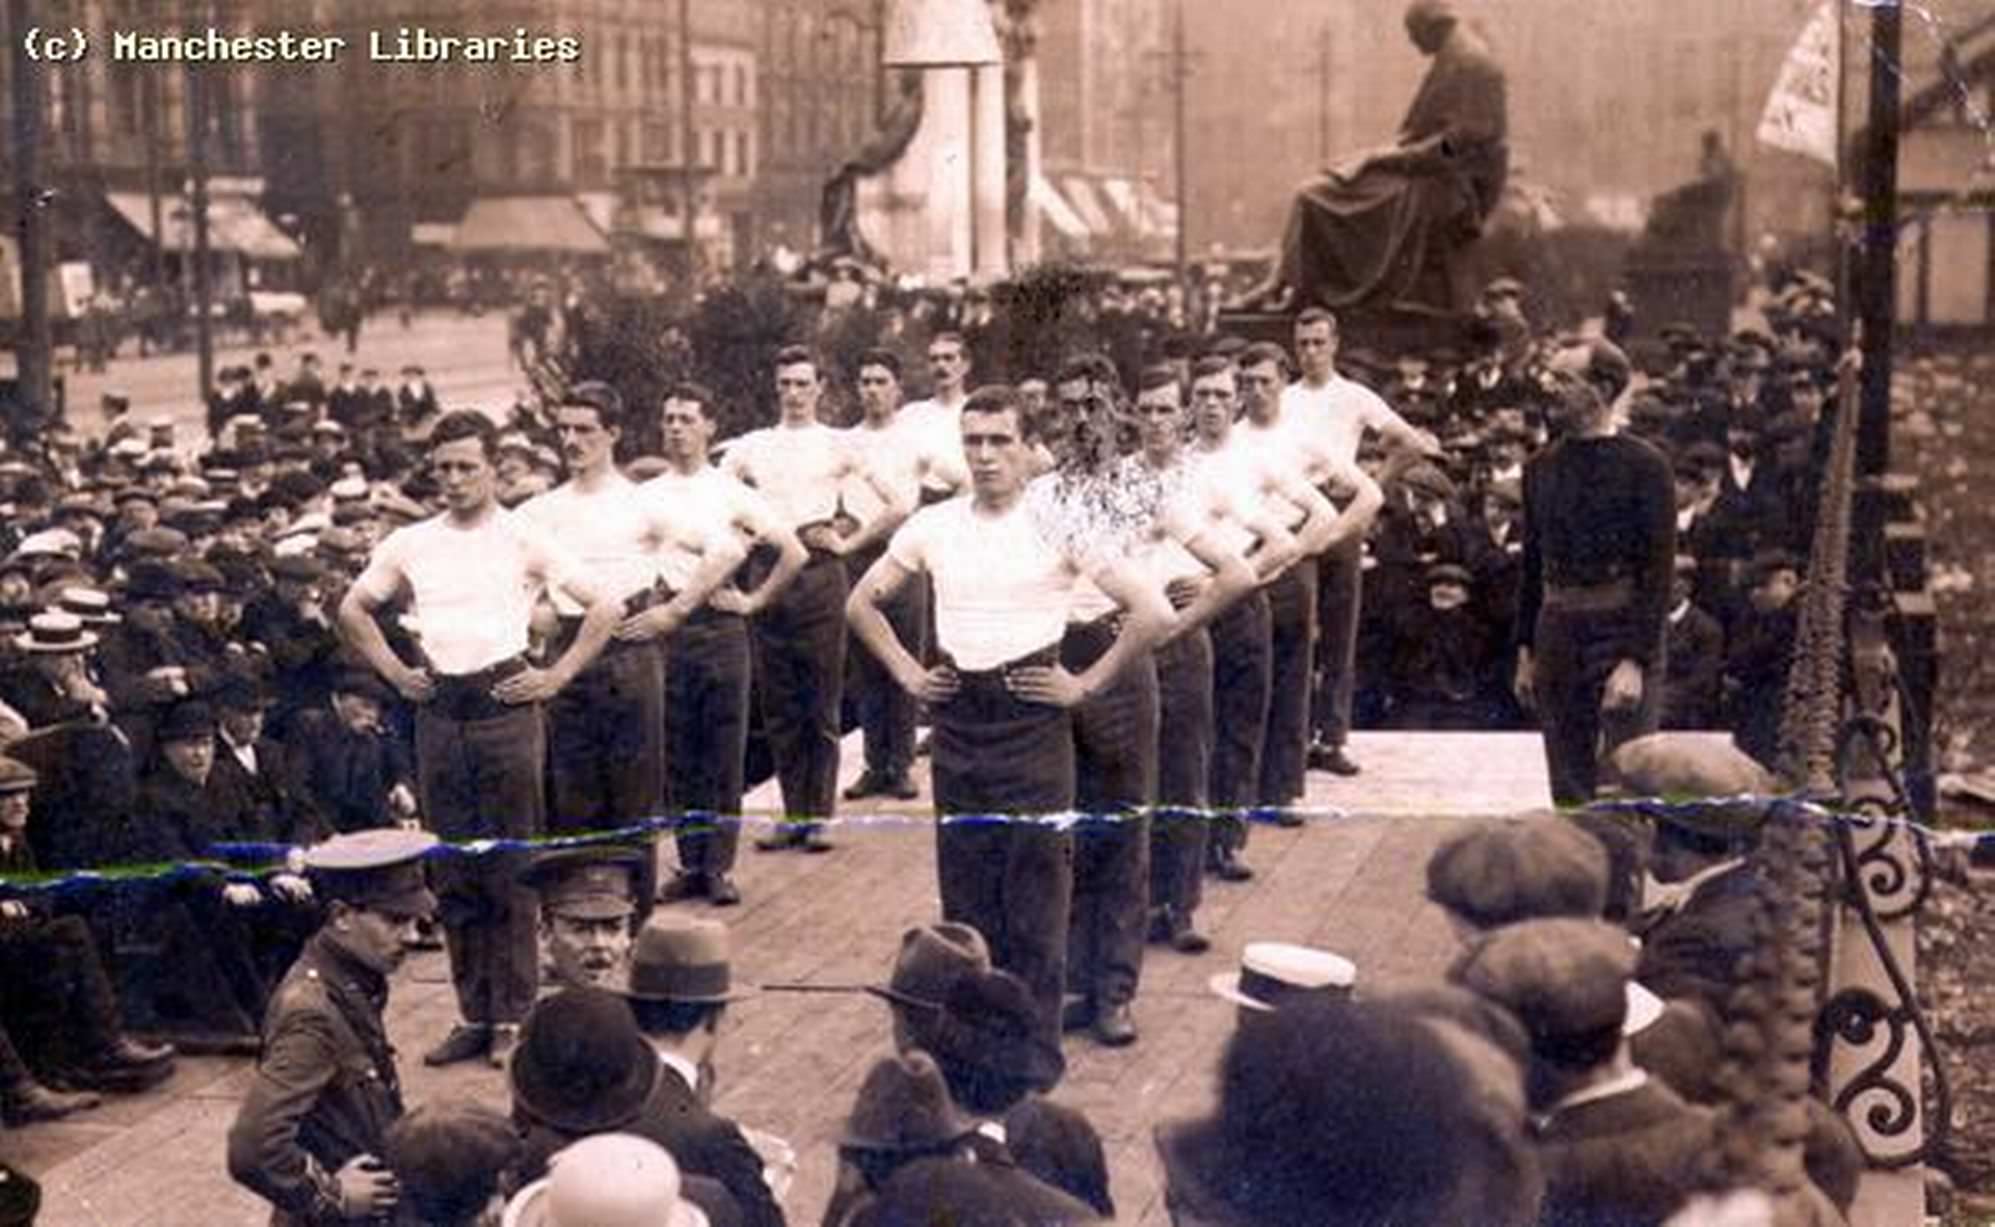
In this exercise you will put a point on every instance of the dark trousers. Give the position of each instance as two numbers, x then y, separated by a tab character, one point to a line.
800	668
1573	652
481	779
1340	586
706	737
1292	636
1001	766
1184	762
1242	652
886	712
606	750
1115	783
55	997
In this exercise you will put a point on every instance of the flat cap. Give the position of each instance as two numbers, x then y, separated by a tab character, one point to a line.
1563	978
1504	870
15	775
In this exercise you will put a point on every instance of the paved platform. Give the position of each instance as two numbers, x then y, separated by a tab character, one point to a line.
1350	880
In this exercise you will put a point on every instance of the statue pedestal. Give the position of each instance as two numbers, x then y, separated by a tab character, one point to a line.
1667	286
938	212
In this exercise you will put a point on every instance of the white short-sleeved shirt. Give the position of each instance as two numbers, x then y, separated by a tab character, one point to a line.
705	508
887	453
473	588
1330	421
935	432
799	469
1098	518
1162	551
1002	589
610	531
1249	466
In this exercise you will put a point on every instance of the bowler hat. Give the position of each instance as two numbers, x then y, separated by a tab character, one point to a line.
363	682
20	1198
595	883
1503	870
1272	973
243	689
197	577
379	868
151	580
904	1105
16	776
582	1065
681	958
187	720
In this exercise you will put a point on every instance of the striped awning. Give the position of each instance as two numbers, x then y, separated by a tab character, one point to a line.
234	224
1057	212
529	223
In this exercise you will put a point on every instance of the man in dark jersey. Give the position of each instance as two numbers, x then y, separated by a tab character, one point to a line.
1599	545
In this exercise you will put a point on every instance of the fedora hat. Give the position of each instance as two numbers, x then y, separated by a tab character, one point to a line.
55	631
932	959
582	1065
991	1022
904	1105
1273	972
682	958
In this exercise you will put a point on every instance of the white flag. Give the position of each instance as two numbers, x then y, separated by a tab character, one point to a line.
1800	114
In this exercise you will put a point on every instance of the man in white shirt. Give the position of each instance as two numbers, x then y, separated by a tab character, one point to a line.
605	736
707	675
798	465
1328	415
887	447
471	575
1185	725
1003	742
934	424
1292	437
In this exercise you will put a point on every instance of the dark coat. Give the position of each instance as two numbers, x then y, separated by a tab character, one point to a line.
303	655
340	779
1629	1160
955	1191
1693	668
83	814
263	798
36	698
703	1144
325	1088
1695	950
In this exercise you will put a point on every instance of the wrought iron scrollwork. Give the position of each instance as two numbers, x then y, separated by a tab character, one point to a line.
1853	1015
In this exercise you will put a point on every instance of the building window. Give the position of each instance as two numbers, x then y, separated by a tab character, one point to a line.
587	135
709	155
741	85
623	146
657	143
125	100
742	164
623	62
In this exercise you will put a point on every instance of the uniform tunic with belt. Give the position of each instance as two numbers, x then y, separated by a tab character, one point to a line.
325	1088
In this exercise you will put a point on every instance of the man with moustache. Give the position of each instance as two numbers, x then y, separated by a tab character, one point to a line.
934	423
310	1132
707	685
605	732
1599	549
470	575
798	466
589	898
1002	702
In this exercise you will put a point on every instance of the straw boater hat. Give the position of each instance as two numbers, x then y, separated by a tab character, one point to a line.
608	1178
1273	972
55	631
88	605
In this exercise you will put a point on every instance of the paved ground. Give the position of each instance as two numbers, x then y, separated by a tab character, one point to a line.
465	358
791	1063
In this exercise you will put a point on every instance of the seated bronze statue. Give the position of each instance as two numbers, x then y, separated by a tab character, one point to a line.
1390	228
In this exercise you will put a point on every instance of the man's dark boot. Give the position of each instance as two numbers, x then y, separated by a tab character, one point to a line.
28	1101
465	1041
1114	1026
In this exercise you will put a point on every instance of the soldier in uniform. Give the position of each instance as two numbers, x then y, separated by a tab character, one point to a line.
588	897
310	1131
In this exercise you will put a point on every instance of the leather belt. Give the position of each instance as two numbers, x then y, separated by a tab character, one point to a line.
468	696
